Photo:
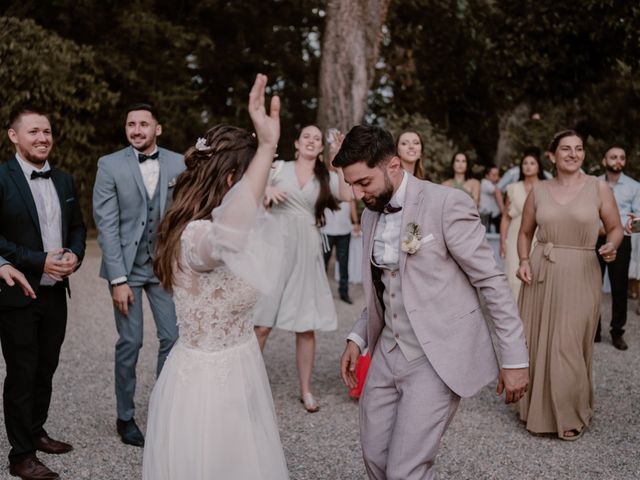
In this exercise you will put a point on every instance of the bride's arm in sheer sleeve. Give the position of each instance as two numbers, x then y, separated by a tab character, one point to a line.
267	128
233	221
238	211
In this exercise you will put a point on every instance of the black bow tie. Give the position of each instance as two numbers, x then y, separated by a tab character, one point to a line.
35	174
388	208
143	158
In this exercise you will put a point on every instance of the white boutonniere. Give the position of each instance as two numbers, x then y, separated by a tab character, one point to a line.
411	239
172	182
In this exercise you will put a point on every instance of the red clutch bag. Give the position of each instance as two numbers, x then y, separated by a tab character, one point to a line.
362	367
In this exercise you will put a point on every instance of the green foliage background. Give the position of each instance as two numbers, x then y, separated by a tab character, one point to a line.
455	70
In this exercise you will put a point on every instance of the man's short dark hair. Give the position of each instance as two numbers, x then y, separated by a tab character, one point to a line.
24	109
490	167
611	147
142	106
366	143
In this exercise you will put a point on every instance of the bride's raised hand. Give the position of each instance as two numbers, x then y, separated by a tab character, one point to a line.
267	126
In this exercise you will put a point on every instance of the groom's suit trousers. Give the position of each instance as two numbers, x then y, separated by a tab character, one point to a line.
405	409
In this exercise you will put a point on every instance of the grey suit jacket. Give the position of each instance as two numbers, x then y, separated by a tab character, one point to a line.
119	196
440	284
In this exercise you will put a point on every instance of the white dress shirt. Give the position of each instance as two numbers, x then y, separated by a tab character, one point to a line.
150	170
386	242
488	202
47	203
386	239
338	222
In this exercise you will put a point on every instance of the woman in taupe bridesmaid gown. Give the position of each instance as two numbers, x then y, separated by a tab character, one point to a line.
560	298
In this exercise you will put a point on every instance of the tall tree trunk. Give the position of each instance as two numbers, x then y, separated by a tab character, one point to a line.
350	49
505	151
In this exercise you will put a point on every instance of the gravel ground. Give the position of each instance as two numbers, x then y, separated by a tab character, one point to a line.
485	440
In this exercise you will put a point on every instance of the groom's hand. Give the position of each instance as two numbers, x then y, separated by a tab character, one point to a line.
514	381
348	364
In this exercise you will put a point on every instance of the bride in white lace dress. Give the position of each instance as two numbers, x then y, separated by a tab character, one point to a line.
211	413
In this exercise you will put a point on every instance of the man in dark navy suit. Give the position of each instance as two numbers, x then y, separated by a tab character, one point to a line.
42	235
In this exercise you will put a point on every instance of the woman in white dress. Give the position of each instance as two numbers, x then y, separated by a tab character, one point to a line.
211	413
301	300
531	173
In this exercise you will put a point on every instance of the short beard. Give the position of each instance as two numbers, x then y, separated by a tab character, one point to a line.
382	200
34	160
614	169
145	146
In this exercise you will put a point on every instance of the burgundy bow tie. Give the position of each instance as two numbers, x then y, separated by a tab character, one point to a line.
388	208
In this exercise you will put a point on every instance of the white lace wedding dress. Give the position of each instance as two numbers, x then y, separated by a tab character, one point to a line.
211	413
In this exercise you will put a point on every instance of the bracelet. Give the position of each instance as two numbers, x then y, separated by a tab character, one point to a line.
525	259
119	284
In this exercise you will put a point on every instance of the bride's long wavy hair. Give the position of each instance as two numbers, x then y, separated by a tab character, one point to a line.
199	189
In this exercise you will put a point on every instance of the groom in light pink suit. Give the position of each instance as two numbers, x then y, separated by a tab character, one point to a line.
425	260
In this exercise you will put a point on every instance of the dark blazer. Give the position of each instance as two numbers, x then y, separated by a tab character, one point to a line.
20	236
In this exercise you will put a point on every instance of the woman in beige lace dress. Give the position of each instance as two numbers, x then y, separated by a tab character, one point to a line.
560	297
530	174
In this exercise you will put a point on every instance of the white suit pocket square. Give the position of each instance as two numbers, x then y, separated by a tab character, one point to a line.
172	182
427	239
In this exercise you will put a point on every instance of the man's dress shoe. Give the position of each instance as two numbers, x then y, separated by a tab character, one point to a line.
130	433
46	444
32	469
619	342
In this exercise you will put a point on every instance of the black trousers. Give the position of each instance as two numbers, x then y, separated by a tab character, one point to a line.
487	220
31	340
341	242
619	278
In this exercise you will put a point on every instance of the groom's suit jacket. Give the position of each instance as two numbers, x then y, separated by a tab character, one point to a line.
119	199
20	235
440	284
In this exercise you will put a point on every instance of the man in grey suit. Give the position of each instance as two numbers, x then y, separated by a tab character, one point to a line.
425	258
132	190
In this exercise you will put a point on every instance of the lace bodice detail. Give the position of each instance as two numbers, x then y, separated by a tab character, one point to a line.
213	305
225	260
